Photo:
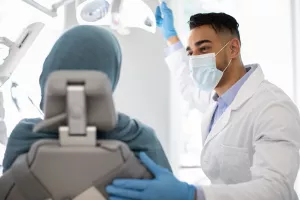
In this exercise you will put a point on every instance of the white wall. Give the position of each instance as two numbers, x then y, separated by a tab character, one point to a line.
267	40
296	6
143	90
146	91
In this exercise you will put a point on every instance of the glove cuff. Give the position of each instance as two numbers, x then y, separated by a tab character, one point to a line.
170	34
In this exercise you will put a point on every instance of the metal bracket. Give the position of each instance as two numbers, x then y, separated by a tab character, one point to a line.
77	132
89	139
76	109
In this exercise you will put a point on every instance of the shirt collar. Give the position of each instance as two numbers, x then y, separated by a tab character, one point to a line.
228	97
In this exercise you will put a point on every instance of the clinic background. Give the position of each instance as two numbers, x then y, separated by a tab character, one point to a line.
270	33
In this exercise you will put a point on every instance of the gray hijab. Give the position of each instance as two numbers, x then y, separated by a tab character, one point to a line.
84	48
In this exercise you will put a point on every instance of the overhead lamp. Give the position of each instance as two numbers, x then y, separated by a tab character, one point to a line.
118	14
92	11
17	50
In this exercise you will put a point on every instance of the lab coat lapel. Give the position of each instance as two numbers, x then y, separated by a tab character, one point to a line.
245	93
206	121
219	125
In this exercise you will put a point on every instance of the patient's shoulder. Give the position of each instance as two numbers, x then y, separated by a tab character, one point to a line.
28	122
134	124
25	125
23	131
143	139
139	130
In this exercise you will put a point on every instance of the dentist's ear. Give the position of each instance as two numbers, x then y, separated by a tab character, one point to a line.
235	48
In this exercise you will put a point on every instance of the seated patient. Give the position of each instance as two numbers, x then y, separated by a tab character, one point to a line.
87	48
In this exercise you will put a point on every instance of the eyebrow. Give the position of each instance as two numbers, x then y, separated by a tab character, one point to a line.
199	43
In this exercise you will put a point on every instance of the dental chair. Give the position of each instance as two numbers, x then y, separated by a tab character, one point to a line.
77	166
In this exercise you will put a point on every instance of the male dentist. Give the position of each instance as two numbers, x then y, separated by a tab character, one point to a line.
251	129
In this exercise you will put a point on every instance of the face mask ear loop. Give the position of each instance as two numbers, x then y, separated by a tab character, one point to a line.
222	48
227	65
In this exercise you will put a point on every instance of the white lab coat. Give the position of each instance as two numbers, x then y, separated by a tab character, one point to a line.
252	151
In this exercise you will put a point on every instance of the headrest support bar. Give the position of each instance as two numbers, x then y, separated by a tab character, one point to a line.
77	132
76	105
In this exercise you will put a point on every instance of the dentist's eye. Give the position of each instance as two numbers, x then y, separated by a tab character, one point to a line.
204	49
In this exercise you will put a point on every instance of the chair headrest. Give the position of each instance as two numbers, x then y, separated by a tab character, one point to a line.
99	106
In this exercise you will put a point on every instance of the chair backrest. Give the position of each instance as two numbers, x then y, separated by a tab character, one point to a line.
76	166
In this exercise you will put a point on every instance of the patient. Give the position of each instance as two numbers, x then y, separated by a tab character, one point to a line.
87	48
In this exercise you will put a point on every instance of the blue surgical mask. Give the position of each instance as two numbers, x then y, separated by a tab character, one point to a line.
204	71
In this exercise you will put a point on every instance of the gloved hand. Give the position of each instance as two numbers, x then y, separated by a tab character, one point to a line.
163	187
165	22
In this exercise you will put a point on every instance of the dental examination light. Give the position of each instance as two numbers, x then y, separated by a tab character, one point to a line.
119	15
11	53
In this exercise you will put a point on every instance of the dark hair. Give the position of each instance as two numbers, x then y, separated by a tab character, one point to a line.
220	22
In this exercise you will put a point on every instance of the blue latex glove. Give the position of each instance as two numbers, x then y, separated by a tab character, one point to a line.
163	187
166	23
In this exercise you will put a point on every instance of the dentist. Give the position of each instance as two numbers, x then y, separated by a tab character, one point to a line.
251	128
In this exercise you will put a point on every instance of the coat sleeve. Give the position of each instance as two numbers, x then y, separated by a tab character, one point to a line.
275	165
178	64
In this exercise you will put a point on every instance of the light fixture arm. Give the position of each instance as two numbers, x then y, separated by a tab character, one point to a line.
51	12
5	41
117	13
116	5
18	49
